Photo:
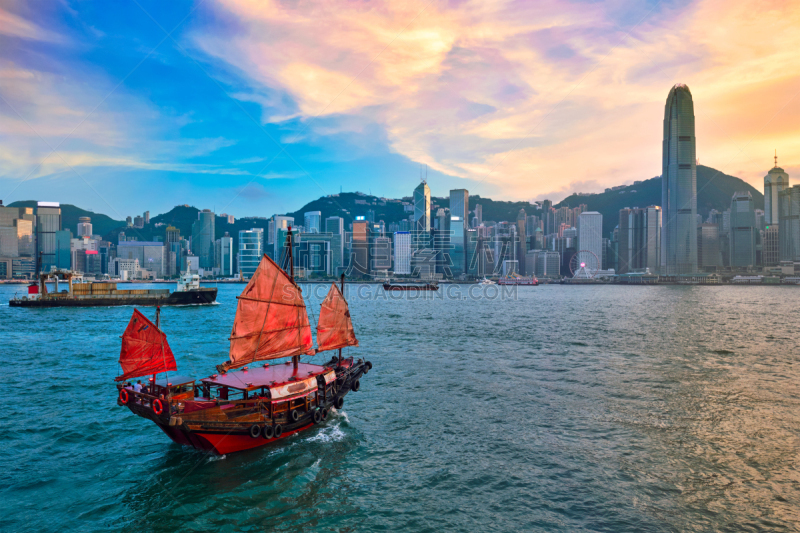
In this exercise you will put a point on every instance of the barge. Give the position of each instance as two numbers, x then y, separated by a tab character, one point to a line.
106	294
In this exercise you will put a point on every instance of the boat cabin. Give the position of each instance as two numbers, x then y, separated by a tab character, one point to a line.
174	388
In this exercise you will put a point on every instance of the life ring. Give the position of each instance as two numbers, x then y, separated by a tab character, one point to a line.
124	397
356	385
267	432
255	431
339	402
294	415
318	416
158	407
278	431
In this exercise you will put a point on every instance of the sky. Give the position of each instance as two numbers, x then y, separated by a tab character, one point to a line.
257	107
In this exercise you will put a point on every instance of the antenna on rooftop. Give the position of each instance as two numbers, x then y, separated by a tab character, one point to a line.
776	158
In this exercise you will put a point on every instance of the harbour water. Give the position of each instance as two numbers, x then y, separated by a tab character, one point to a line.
594	408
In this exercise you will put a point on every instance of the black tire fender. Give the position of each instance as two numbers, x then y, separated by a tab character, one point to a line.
255	431
267	432
356	385
278	429
339	402
317	416
294	415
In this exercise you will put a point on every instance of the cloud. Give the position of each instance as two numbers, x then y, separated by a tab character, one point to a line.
524	96
12	25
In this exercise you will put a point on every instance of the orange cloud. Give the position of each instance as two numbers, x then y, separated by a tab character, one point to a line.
533	96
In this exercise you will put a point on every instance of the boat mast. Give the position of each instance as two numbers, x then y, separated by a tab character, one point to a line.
340	350
295	358
158	327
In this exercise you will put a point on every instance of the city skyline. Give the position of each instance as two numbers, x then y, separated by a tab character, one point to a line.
130	111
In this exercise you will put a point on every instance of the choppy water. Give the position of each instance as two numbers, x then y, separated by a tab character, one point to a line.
565	409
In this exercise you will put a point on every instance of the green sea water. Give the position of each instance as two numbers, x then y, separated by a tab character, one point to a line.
555	408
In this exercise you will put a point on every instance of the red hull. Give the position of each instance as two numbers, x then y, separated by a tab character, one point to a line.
222	443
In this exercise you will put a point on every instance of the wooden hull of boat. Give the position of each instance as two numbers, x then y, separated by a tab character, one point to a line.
224	437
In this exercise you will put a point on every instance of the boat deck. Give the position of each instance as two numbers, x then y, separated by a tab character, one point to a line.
266	376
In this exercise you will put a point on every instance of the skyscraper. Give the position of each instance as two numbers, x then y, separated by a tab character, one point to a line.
789	224
250	251
422	211
335	227
743	231
48	216
775	181
312	221
203	238
679	185
459	204
84	227
590	239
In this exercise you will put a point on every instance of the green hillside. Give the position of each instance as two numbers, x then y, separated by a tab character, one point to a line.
101	224
714	191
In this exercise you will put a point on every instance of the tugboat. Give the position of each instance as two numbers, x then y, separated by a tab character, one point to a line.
250	402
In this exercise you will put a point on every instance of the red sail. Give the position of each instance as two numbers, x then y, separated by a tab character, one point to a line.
334	328
271	319
144	349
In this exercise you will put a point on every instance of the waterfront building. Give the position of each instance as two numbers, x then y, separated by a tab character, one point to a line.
63	257
402	252
149	253
679	184
775	181
457	247
129	221
48	222
6	267
742	237
124	269
522	239
422	216
23	267
359	258
590	238
138	222
312	221
84	227
146	217
789	224
709	255
639	239
223	252
251	248
380	255
459	204
203	238
191	264
770	246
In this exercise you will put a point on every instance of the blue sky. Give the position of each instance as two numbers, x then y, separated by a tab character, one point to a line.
253	108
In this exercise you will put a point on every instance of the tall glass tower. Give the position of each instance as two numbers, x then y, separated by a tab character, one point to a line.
775	181
422	216
679	185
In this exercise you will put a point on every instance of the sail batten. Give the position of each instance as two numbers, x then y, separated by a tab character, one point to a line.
145	350
334	327
271	320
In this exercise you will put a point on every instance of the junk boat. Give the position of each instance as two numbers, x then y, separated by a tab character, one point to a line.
104	294
251	401
516	279
410	287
